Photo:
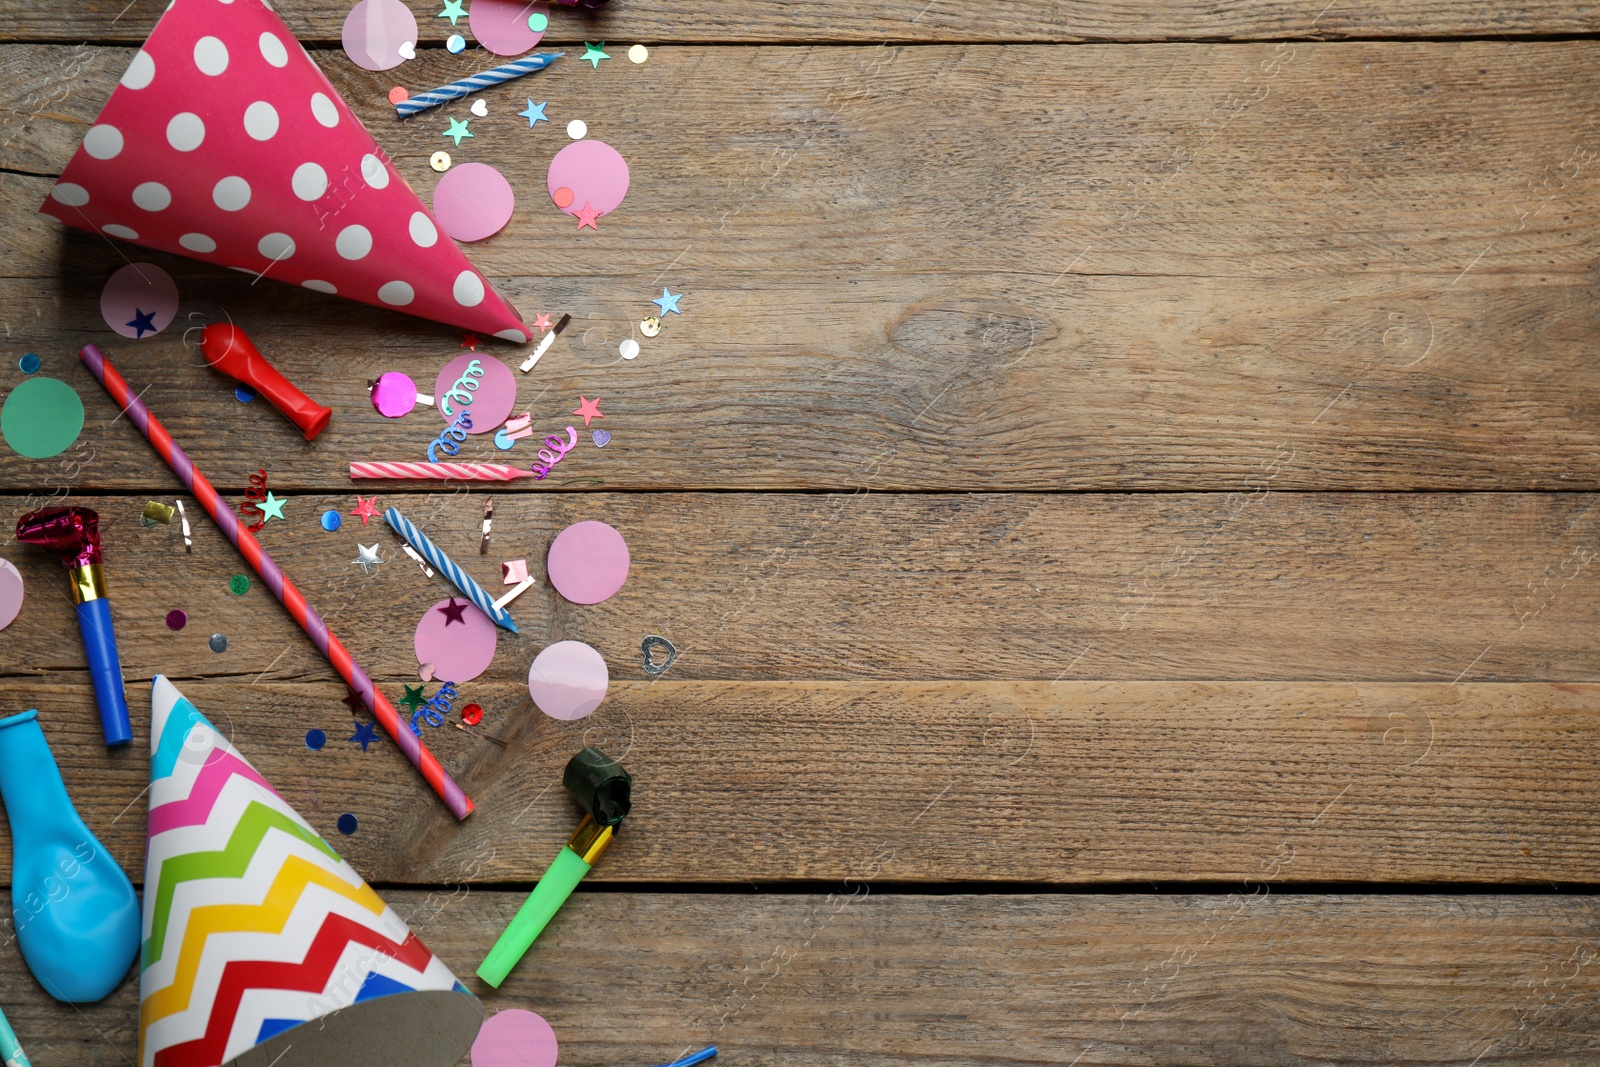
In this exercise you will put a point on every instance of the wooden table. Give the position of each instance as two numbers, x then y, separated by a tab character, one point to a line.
1122	487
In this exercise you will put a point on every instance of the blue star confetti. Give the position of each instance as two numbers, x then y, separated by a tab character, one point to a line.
365	734
535	113
143	321
668	301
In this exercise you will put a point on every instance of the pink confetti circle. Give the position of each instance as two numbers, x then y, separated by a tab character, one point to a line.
588	562
459	651
594	173
568	680
374	31
491	403
502	27
394	395
10	593
473	201
514	1037
139	289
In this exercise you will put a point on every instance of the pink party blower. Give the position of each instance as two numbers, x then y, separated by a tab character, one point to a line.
75	533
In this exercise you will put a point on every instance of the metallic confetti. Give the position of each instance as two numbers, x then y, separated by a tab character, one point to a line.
472	714
30	363
156	511
177	619
439	161
239	584
426	570
488	520
348	824
188	545
315	739
218	642
649	645
367	556
650	327
601	437
331	520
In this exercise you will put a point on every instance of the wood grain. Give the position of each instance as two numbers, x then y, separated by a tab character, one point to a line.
1124	272
736	21
637	978
756	587
1072	783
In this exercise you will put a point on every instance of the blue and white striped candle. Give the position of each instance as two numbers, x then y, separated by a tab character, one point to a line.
447	566
467	86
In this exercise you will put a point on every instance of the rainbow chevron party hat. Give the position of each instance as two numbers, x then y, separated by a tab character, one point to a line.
260	945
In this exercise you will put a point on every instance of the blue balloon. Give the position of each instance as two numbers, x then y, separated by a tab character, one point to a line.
76	914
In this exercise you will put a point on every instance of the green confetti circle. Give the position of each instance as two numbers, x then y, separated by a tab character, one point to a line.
239	585
41	418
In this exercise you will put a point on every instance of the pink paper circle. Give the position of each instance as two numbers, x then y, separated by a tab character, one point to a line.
394	395
10	593
374	31
514	1037
136	288
496	395
588	562
501	26
568	680
459	651
473	201
594	171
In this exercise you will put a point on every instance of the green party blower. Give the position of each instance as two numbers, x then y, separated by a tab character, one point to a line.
603	789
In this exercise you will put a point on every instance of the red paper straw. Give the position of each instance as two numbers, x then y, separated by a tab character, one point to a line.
281	587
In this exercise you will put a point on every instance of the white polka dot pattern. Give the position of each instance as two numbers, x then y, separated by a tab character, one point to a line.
211	56
261	121
231	194
224	141
423	231
276	246
103	142
186	131
373	172
309	182
468	289
141	72
152	196
354	242
324	111
272	50
398	294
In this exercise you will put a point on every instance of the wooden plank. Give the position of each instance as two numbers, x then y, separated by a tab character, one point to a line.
753	587
732	21
1223	290
1072	783
637	978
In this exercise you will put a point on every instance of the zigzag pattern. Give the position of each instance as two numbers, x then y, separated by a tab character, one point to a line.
310	976
254	923
231	862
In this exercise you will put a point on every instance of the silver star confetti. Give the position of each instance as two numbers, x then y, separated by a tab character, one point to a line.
368	556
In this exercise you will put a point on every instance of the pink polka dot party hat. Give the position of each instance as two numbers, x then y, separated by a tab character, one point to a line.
225	142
